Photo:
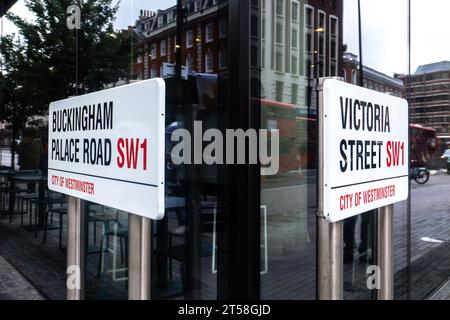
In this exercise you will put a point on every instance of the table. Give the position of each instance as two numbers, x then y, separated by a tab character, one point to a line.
41	179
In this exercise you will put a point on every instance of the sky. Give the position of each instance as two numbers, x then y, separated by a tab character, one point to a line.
384	26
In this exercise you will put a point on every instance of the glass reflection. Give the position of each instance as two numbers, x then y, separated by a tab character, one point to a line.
185	42
300	42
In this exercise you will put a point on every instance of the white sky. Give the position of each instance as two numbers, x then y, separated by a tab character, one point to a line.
384	29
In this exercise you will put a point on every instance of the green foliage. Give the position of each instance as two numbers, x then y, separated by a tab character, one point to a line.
39	63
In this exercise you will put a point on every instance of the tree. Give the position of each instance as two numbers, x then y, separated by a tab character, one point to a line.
39	63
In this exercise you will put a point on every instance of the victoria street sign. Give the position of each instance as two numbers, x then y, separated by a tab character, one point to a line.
365	150
107	147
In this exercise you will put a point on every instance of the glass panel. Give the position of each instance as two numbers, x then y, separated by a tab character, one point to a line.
46	57
427	90
106	253
382	31
185	241
298	54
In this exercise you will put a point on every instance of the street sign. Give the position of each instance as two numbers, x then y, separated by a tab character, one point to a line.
365	150
107	147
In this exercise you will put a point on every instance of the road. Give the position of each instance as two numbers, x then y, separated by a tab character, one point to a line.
430	217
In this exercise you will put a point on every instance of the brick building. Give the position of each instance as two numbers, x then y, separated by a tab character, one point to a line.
301	41
203	41
430	96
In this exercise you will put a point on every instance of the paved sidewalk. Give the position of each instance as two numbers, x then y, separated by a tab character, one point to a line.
13	286
443	293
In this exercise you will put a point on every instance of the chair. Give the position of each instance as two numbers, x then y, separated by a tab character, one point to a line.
61	211
19	190
208	212
120	234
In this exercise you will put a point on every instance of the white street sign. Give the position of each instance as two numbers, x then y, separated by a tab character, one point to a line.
107	147
365	150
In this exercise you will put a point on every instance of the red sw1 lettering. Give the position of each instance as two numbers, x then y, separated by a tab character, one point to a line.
129	151
396	154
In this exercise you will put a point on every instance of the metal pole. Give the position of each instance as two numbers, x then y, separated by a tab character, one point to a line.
179	38
330	235
386	252
75	249
408	203
361	70
330	260
139	271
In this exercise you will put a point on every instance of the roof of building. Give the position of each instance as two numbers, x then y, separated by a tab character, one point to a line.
433	67
382	77
372	73
151	22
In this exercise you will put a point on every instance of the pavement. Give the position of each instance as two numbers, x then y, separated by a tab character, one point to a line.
290	249
13	286
442	293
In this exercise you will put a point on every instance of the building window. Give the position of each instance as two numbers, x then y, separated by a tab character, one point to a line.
163	48
333	44
279	35
279	91
153	51
308	26
254	26
197	5
223	58
309	17
189	39
209	32
153	73
160	21
189	61
209	62
334	26
223	25
354	80
263	28
139	59
333	49
279	62
309	43
294	65
322	34
170	17
279	8
294	9
294	38
333	69
263	57
294	94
